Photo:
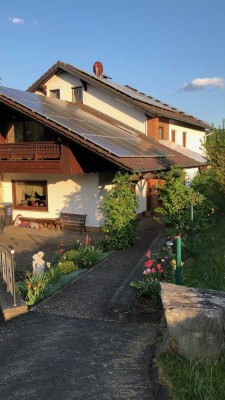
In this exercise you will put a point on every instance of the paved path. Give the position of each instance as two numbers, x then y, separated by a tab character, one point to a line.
90	295
67	348
49	357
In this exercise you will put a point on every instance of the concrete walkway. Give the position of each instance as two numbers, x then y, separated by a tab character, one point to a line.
68	347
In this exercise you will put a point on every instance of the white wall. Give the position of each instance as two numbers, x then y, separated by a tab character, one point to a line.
111	105
82	194
75	194
194	137
64	82
190	174
100	100
141	193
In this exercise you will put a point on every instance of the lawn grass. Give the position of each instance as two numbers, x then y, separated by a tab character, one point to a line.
192	380
206	269
200	380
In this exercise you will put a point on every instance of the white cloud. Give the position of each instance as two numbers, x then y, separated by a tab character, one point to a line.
203	83
16	20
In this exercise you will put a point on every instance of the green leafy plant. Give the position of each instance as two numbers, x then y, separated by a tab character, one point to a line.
32	288
215	151
66	267
87	256
147	288
53	273
71	255
176	199
158	268
119	210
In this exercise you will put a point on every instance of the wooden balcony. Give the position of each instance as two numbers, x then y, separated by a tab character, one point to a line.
30	151
41	157
38	158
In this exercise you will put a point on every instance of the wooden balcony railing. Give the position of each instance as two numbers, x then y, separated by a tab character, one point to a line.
30	151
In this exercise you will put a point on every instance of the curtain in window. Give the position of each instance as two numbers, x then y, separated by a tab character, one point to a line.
34	187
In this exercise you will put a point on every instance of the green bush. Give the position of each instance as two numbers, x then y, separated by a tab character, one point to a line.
88	256
66	267
119	209
176	199
71	255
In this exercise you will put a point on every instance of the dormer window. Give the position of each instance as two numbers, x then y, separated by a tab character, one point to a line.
55	94
77	94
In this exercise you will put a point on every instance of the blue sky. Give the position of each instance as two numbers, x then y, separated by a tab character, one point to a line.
170	49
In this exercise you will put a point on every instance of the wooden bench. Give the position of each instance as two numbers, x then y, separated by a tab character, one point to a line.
68	219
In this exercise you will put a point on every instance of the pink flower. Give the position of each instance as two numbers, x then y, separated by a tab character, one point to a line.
148	254
147	271
158	266
153	270
161	270
148	263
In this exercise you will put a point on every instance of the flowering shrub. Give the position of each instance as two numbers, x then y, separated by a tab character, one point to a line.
158	267
32	288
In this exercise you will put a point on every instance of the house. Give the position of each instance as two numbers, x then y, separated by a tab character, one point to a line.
63	139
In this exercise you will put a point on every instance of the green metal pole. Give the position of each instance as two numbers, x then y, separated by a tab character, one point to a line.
178	260
192	227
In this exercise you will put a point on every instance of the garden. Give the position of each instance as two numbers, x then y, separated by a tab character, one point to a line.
49	277
194	255
119	209
195	217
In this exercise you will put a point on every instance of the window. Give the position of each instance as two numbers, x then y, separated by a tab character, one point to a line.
184	139
160	133
55	93
77	94
30	195
28	131
173	136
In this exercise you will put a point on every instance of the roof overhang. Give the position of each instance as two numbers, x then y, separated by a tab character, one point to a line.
140	164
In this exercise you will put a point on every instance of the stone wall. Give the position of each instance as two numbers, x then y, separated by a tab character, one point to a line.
195	321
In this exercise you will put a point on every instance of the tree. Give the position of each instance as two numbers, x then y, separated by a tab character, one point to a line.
215	148
119	209
176	199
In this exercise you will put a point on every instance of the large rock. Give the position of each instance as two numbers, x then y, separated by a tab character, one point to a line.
195	321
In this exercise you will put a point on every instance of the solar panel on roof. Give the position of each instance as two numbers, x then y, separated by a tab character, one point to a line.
111	138
140	96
